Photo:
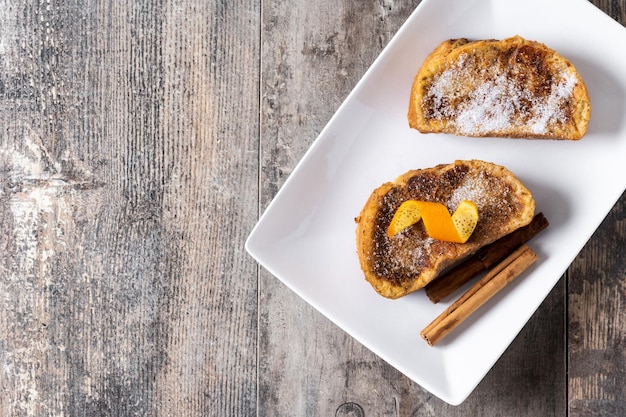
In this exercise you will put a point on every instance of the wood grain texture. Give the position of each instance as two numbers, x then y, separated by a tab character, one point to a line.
125	289
596	302
312	56
597	328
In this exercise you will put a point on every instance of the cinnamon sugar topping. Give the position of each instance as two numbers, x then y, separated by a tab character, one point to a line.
502	99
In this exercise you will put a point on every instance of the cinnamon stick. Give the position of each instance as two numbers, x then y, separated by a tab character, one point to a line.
450	281
494	281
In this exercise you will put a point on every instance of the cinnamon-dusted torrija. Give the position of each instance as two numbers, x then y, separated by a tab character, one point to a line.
405	262
508	88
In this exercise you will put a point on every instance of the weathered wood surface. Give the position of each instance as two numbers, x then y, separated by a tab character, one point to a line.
140	141
128	182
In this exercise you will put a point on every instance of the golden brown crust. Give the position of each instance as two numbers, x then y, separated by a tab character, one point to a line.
508	88
406	262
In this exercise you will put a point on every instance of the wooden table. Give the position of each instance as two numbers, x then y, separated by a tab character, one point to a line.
140	142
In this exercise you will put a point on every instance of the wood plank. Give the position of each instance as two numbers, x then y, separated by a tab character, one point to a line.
596	329
312	55
311	61
125	289
596	303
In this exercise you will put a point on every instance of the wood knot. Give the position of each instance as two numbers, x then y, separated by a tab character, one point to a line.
350	409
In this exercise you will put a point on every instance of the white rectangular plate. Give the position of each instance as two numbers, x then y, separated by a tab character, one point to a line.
306	237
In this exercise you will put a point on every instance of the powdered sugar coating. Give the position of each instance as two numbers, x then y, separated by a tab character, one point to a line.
499	102
479	189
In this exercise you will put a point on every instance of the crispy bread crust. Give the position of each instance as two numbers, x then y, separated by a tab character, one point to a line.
406	262
499	88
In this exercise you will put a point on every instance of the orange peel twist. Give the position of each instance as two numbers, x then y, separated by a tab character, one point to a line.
438	222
